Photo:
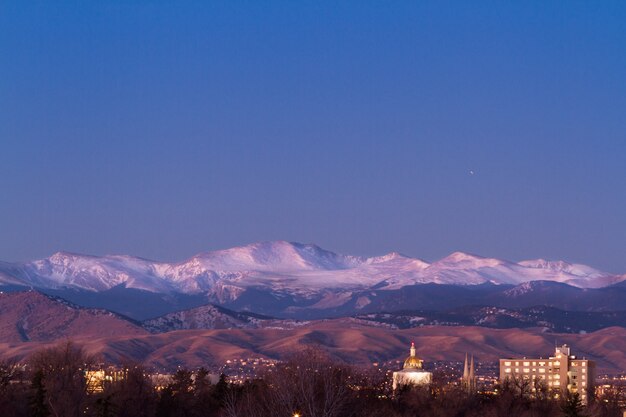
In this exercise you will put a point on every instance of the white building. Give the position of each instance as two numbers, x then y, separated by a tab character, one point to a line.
412	372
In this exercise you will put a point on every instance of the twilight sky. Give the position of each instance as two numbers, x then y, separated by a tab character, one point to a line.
162	129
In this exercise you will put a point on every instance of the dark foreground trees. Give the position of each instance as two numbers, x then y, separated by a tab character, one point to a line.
309	384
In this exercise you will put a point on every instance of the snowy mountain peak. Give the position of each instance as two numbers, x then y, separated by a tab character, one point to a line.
287	268
396	258
385	258
63	258
459	256
468	260
562	266
277	256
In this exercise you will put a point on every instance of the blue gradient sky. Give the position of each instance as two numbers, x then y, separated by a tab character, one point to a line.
163	129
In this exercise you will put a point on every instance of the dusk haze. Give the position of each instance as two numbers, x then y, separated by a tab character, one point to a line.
162	130
312	208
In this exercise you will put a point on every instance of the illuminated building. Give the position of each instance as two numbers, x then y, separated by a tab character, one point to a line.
560	373
412	372
96	380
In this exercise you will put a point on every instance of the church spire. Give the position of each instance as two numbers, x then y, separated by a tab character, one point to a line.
465	369
469	378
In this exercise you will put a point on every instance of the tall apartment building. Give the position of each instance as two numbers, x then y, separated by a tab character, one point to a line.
561	372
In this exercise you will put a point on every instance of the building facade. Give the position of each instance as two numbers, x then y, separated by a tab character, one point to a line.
559	373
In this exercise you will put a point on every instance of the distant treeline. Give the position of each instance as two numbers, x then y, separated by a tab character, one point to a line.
309	385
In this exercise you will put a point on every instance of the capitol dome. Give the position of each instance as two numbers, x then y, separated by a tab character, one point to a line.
412	372
413	362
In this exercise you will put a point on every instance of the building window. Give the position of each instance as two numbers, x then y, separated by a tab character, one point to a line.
507	370
526	363
542	371
507	363
526	370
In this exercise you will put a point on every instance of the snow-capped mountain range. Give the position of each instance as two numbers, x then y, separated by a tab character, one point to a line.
293	268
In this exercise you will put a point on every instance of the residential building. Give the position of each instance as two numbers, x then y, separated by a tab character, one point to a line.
559	373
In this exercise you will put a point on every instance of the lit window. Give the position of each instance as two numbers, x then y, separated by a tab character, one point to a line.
542	371
507	370
526	363
507	363
526	370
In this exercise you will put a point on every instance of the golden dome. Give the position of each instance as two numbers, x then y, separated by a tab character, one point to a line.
413	362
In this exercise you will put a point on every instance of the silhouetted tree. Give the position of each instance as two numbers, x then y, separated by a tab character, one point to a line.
310	383
13	392
134	395
63	368
205	403
607	405
220	390
572	405
105	406
38	400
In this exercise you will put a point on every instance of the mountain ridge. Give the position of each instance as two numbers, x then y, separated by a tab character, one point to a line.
279	263
295	280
